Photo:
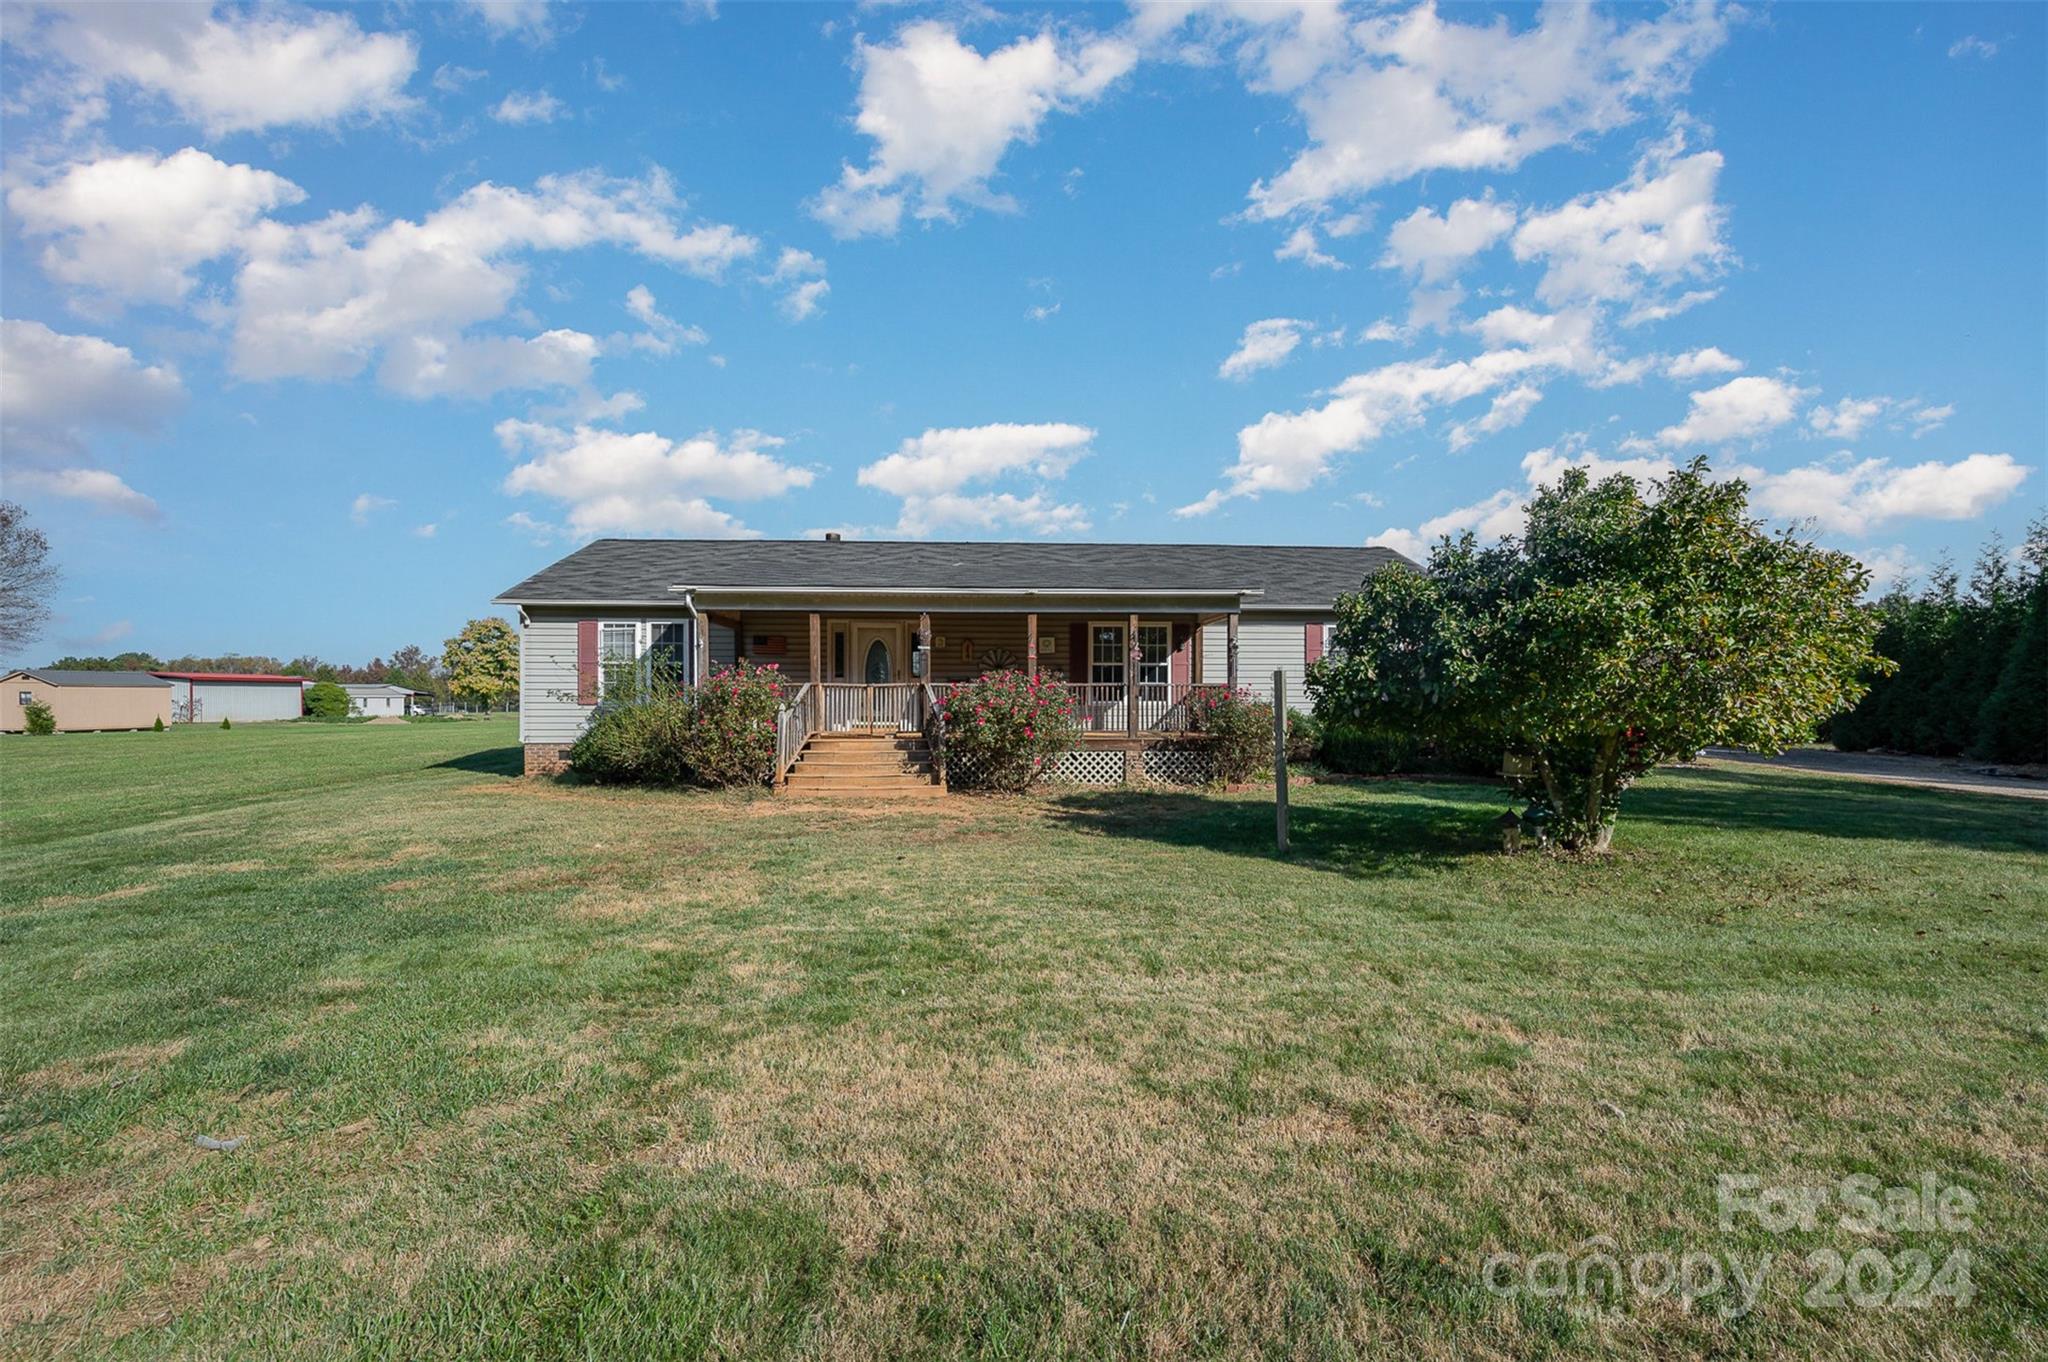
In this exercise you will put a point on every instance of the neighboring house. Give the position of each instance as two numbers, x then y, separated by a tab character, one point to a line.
85	700
245	697
1132	626
376	701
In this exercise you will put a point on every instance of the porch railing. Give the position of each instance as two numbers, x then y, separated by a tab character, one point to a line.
889	708
1162	707
792	730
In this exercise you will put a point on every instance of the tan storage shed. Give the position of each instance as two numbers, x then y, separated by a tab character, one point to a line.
84	701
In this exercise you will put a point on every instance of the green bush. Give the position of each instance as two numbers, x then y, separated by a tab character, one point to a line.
719	734
1004	729
38	718
1351	749
159	724
1304	737
1237	732
326	700
224	723
643	742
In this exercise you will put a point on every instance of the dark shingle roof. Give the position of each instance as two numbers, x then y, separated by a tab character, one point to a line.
633	570
68	676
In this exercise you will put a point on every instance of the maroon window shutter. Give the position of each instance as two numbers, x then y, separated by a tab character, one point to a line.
1183	655
1077	652
1311	642
586	662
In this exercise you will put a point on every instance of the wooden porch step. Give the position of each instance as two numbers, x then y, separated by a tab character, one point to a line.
864	766
893	759
905	790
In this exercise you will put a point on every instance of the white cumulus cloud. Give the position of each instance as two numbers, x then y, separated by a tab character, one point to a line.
1705	363
57	390
96	487
645	483
1740	409
1264	345
801	276
1851	496
930	472
529	106
227	69
135	226
942	116
1660	227
1396	94
321	299
1435	247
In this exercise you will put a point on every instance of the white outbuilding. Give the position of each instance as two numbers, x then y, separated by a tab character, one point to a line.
378	701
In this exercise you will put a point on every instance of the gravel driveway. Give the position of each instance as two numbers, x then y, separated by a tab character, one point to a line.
1935	773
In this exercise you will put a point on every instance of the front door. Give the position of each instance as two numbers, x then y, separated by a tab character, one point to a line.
877	656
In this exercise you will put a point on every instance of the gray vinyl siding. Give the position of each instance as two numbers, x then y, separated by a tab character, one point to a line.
548	711
1265	644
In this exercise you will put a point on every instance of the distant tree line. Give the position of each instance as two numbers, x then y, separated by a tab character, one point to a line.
1972	676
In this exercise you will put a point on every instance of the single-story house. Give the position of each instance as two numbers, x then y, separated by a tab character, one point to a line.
82	701
864	627
244	697
376	701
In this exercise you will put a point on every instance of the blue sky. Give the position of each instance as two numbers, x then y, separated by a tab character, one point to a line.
325	324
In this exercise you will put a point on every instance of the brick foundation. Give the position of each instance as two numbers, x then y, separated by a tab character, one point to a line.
547	758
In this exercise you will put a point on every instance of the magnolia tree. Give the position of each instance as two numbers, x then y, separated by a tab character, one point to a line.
1616	633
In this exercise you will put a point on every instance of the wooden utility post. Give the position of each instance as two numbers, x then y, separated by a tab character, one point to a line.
1280	758
1031	645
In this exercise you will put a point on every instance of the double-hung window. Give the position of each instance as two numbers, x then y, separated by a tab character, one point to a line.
1109	653
618	659
1155	659
668	653
1106	655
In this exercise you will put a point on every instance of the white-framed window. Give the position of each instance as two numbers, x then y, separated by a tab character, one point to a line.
628	649
1155	654
1109	652
618	657
1106	655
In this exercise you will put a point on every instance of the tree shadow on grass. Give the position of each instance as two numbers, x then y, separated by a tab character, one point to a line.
1363	838
490	761
1758	802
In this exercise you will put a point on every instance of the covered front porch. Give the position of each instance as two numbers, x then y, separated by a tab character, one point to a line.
1129	675
875	668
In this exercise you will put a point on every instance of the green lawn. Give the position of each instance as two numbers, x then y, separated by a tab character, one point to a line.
527	1069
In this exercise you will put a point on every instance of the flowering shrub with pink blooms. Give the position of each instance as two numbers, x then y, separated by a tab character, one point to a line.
721	733
1237	731
1005	729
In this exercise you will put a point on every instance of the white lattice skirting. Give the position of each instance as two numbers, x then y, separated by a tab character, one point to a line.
1177	766
1087	766
1100	766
